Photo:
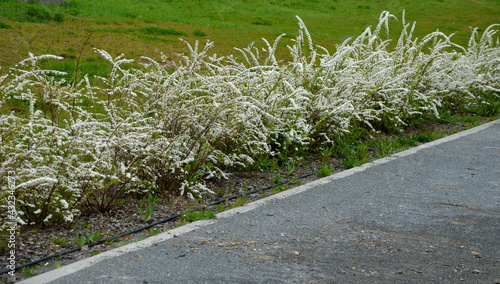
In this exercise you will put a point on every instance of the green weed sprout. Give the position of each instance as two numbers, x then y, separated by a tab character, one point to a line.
80	240
325	171
147	214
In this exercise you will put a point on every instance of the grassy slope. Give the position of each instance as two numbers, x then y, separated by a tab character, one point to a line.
228	23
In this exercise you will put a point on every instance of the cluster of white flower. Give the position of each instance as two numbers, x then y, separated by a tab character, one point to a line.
81	146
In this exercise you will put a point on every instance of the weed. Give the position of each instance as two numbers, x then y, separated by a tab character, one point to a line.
276	179
28	271
407	141
92	237
296	181
61	241
325	171
155	38
160	31
278	189
58	17
262	23
5	26
422	137
80	240
470	121
266	163
490	105
199	33
262	194
291	167
240	202
129	13
95	252
387	146
74	12
101	21
362	150
37	14
353	162
153	232
149	20
326	154
364	7
112	240
58	265
147	214
445	116
191	216
244	192
343	149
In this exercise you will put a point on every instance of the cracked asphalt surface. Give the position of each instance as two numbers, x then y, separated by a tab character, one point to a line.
427	215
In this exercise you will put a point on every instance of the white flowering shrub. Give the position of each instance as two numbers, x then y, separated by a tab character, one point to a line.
81	147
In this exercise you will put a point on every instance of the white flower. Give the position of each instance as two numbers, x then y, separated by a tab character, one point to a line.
48	218
64	204
68	217
37	182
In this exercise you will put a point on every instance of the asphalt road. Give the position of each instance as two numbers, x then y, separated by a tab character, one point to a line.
427	215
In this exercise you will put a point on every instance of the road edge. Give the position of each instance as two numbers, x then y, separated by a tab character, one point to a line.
82	264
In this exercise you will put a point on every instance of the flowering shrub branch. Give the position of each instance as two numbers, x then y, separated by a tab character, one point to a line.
81	146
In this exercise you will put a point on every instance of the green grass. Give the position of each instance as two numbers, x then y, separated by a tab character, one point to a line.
199	33
35	13
95	252
335	18
265	163
491	108
191	216
47	28
5	26
145	30
353	162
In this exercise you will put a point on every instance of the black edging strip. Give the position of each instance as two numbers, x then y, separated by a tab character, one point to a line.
156	223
